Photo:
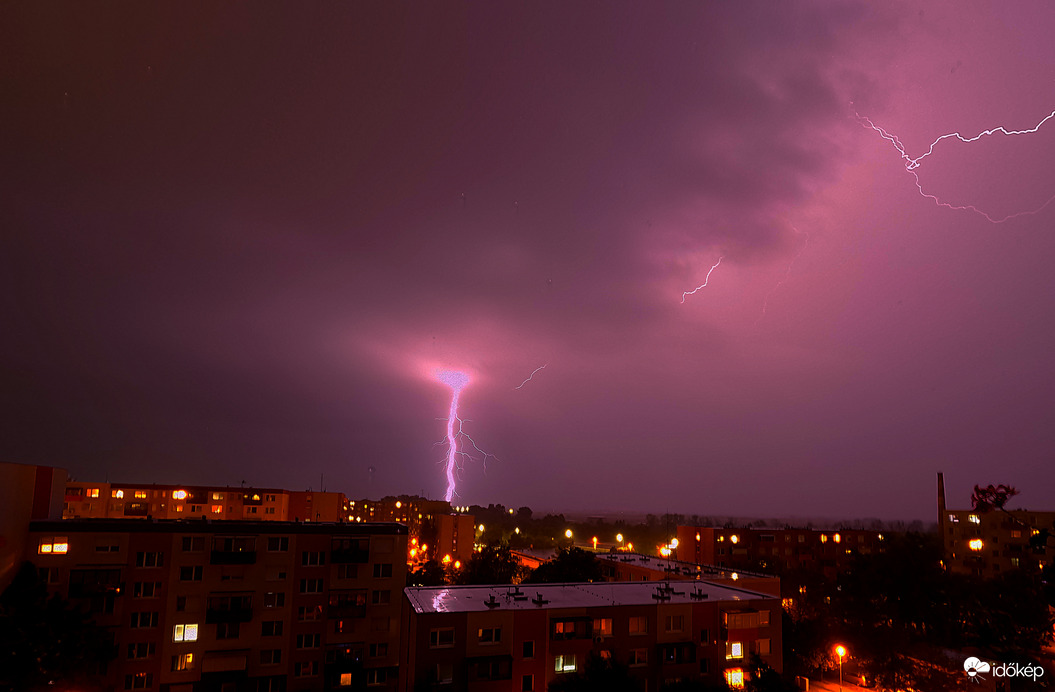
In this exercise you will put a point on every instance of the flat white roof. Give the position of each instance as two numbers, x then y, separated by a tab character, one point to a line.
461	599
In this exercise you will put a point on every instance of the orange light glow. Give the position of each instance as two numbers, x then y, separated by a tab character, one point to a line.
447	559
457	564
179	494
837	538
840	651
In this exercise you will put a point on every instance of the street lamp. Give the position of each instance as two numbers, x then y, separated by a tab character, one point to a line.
841	651
567	534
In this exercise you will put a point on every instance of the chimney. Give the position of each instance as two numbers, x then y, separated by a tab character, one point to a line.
943	517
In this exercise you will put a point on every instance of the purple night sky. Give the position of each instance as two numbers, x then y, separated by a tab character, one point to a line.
239	241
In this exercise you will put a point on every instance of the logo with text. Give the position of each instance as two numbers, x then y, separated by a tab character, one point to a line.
975	669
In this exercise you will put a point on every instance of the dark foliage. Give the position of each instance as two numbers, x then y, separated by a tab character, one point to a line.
569	565
45	644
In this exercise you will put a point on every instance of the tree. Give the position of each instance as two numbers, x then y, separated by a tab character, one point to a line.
598	675
429	574
493	564
764	679
45	643
569	565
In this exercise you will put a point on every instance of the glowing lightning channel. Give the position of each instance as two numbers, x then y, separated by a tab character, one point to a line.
457	381
541	367
787	272
912	164
705	280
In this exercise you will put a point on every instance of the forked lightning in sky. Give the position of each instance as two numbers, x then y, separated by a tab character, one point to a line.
457	381
912	164
705	280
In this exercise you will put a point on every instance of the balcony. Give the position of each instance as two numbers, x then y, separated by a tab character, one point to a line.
229	609
346	556
232	557
234	614
345	612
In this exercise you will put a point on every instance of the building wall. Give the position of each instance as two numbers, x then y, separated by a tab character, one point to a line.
775	549
84	500
990	544
287	601
27	493
680	641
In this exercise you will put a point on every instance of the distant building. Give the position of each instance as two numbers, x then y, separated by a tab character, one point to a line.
523	638
27	493
775	549
262	606
988	544
84	500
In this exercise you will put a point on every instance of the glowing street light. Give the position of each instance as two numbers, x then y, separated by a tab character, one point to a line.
481	528
841	651
567	534
619	538
595	542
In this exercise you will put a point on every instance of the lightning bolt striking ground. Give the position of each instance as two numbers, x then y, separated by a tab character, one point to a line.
912	164
705	280
457	381
541	367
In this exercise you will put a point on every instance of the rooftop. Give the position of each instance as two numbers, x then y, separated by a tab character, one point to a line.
461	599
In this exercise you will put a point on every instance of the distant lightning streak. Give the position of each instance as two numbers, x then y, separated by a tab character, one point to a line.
787	272
541	367
705	280
457	381
912	164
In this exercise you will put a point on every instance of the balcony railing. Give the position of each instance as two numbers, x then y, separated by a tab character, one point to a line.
232	557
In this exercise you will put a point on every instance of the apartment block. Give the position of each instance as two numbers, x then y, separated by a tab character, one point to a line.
484	638
775	549
196	606
84	500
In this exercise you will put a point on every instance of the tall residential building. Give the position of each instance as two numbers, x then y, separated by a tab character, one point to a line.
234	605
523	638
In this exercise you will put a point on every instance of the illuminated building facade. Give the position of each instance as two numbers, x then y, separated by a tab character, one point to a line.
989	544
523	638
776	549
201	605
147	501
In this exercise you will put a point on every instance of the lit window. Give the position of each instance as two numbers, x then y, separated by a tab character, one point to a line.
185	633
346	679
141	494
602	627
58	545
564	663
734	677
93	492
734	650
837	538
824	538
734	538
182	662
975	544
217	496
178	494
974	519
217	509
117	493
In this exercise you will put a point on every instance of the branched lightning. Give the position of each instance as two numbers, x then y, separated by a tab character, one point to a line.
912	164
787	272
457	381
705	280
529	377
